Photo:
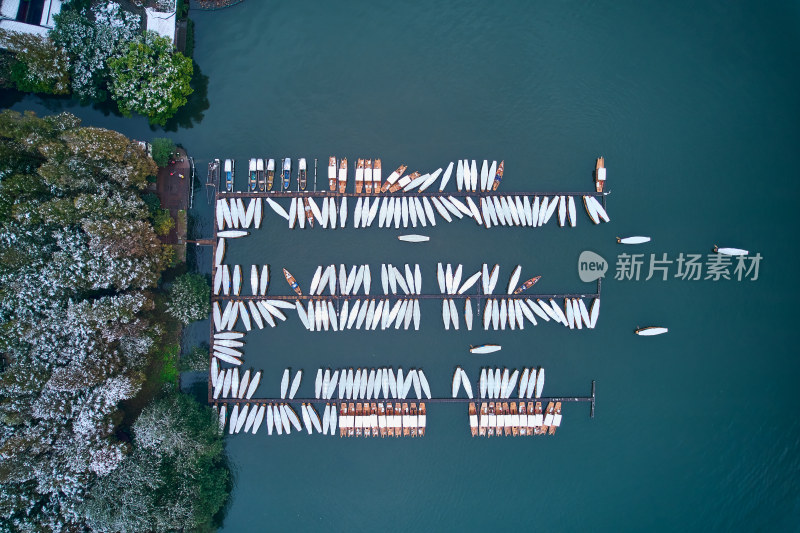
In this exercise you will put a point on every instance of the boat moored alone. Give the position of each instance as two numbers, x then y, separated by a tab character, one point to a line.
485	348
650	331
413	238
730	251
292	283
633	240
600	174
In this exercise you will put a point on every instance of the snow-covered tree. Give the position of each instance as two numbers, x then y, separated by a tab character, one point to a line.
39	65
151	78
189	297
78	263
92	36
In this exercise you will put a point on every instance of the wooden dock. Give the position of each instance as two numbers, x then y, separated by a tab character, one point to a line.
337	401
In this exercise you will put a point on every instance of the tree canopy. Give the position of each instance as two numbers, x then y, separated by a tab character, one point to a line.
150	79
79	261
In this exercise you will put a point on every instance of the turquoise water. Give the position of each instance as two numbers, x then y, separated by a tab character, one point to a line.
695	109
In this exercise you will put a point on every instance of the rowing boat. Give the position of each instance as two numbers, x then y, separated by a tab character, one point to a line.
359	178
332	173
724	251
512	282
393	177
292	283
485	348
649	331
633	240
498	177
413	238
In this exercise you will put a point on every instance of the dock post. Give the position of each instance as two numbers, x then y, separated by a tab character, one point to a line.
591	412
315	174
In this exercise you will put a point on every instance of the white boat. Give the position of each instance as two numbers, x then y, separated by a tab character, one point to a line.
277	208
285	383
473	208
539	383
416	315
724	251
594	312
314	416
441	209
228	335
633	240
415	381
649	331
254	381
523	382
465	382
493	277
446	313
429	210
456	382
469	282
453	314
485	348
306	419
512	282
440	277
413	238
473	174
232	233
468	314
584	312
498	382
512	383
482	383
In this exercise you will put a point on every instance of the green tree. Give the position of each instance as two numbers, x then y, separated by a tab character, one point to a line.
176	479
39	66
189	298
163	222
150	79
163	148
196	359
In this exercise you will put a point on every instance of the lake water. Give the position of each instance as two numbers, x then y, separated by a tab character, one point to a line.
694	108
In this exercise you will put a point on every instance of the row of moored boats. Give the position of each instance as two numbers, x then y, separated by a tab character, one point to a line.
492	419
498	384
368	384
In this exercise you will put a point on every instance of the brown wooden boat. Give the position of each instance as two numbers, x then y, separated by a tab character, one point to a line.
292	283
342	415
527	285
491	427
423	419
373	411
557	414
523	419
538	430
332	173
530	417
359	176
351	413
506	419
376	176
514	419
309	212
342	175
382	418
598	182
402	182
389	419
483	420
368	176
393	177
473	430
548	418
406	413
413	420
359	419
498	177
398	411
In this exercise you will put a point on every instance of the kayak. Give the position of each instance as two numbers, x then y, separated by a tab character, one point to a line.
633	240
413	238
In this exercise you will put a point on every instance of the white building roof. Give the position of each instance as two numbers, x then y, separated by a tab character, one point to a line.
161	23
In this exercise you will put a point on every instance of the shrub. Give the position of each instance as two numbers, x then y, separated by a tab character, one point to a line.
163	148
189	298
